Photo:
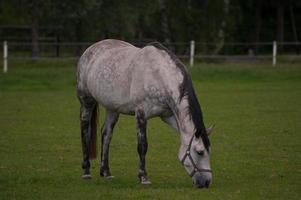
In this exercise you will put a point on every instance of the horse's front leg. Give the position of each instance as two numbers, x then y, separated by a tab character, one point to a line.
142	145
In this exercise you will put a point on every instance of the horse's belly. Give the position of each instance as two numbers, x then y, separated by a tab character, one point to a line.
110	96
121	102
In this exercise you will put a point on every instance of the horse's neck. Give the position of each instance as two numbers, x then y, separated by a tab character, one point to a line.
185	123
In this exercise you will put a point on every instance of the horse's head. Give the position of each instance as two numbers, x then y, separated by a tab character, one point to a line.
195	158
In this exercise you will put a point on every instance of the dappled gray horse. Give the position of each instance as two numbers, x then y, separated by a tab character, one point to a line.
145	82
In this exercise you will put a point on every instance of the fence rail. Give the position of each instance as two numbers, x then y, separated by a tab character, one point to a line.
185	50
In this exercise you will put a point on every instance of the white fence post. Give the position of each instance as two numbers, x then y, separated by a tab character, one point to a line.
274	53
192	47
5	57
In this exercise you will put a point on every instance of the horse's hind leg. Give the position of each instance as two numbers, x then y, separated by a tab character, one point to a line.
87	107
142	145
107	130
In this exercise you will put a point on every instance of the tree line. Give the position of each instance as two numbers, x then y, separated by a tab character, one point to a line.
168	21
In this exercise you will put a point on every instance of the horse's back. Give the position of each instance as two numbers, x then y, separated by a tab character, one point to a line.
99	48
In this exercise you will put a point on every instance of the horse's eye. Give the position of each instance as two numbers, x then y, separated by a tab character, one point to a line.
201	153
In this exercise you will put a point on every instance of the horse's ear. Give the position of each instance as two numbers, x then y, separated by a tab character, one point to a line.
210	129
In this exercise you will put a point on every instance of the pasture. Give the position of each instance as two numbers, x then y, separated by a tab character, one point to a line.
256	149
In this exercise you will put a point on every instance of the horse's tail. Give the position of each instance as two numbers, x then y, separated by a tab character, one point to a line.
93	141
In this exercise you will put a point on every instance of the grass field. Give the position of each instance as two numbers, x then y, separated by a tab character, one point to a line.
256	148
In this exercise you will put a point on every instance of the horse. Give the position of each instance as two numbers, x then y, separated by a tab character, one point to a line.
143	82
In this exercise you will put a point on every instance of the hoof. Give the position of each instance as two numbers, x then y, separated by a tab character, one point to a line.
145	181
86	176
109	177
106	174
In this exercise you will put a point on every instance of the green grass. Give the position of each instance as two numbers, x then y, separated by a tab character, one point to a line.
256	149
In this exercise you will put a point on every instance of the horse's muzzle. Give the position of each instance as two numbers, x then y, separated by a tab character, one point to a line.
201	180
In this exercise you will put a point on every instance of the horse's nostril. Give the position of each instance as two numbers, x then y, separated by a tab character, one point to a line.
201	180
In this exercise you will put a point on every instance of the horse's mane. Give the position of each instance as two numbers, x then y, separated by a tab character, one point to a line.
186	90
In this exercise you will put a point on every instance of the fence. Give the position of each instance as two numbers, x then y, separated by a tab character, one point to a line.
190	51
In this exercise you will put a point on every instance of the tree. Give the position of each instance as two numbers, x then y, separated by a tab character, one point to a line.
164	22
258	22
31	12
168	21
280	21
